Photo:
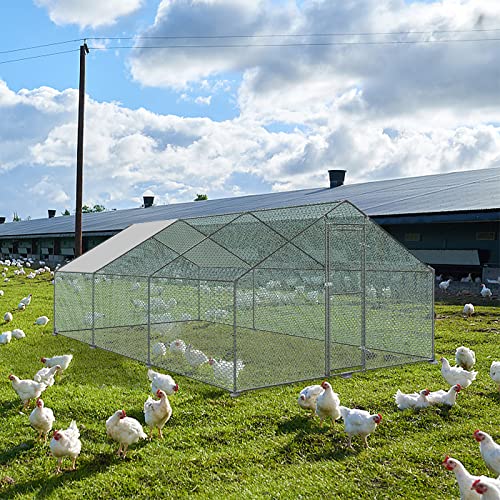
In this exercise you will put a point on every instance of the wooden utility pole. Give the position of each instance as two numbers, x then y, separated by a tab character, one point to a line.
84	50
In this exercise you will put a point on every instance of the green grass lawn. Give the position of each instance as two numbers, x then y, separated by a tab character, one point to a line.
260	445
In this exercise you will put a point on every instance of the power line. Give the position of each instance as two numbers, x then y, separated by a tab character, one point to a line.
39	56
305	44
40	46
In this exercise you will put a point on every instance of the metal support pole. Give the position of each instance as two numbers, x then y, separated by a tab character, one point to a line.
93	310
235	354
149	321
433	285
363	298
327	301
199	296
253	299
79	153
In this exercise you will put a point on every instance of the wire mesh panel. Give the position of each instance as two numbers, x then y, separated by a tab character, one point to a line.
255	299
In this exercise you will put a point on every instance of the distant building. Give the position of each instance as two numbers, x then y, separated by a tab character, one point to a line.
450	221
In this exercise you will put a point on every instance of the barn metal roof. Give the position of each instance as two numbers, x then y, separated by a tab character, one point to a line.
469	191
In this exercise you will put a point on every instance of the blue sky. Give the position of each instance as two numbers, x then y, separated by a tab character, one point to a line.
240	121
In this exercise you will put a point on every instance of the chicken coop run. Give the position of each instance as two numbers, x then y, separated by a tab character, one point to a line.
253	299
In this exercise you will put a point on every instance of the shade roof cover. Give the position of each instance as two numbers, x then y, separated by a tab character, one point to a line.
113	248
226	247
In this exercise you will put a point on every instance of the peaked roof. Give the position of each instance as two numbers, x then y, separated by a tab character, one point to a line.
473	190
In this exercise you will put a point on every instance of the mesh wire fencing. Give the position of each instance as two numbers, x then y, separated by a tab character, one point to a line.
249	300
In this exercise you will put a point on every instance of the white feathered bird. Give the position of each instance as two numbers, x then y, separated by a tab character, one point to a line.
327	404
46	375
464	478
488	488
445	284
42	419
42	320
161	381
66	443
18	334
63	361
26	300
177	346
465	357
443	397
5	337
468	310
224	370
456	374
308	396
490	451
359	423
124	430
485	292
413	400
7	317
27	389
159	350
157	413
195	357
495	372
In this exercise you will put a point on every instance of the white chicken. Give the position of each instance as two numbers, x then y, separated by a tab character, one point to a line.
466	358
18	334
485	292
42	320
42	419
27	389
5	337
359	423
159	350
443	397
26	300
7	317
124	430
413	400
489	489
495	372
467	279
456	374
177	346
463	477
490	451
308	396
63	361
66	443
157	413
46	375
468	310
21	306
224	370
445	284
195	357
160	381
327	404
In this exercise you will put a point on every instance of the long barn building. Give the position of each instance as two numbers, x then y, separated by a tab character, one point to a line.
450	221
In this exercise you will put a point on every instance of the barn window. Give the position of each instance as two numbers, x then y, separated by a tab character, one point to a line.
413	237
486	235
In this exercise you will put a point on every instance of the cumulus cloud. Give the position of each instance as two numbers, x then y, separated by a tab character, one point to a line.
90	13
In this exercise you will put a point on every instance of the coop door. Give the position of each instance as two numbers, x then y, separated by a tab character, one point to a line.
344	290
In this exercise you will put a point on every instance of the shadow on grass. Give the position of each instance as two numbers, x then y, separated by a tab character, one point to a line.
299	423
11	453
8	407
44	487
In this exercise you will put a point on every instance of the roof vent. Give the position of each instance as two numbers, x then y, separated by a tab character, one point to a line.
336	178
148	201
52	213
2	220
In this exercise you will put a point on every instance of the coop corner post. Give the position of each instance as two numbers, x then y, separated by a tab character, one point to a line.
199	294
93	310
363	295
54	306
149	320
327	300
235	389
433	291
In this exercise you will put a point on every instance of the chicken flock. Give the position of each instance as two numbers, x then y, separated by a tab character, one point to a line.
320	400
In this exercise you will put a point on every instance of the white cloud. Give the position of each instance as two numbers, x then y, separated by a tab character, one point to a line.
203	101
92	13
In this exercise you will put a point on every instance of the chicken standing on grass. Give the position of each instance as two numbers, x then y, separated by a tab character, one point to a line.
46	375
177	346
413	400
5	337
359	423
224	370
327	404
66	443
468	310
7	317
456	375
27	389
490	451
157	413
42	321
466	358
161	381
487	488
41	419
463	477
124	430
195	357
63	361
308	397
495	372
444	397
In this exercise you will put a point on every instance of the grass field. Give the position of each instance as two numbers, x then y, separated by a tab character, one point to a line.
259	445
